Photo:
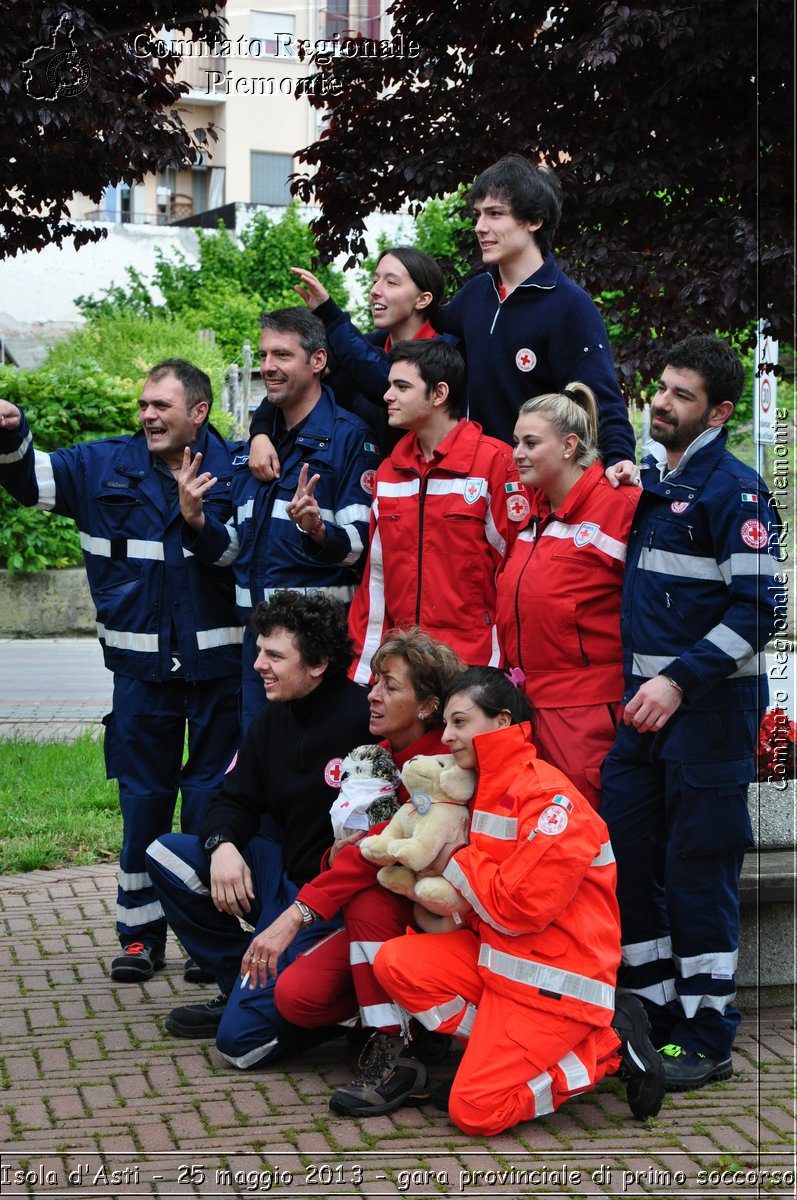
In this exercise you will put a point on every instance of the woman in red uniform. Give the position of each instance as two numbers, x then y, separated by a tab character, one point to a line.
335	983
558	608
527	980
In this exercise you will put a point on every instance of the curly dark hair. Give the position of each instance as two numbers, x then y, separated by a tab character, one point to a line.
317	623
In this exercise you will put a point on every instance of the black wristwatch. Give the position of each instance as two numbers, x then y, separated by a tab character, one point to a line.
214	841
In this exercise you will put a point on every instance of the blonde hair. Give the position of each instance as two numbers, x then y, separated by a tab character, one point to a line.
431	664
573	410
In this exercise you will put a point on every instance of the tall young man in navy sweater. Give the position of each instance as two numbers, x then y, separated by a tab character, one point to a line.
527	328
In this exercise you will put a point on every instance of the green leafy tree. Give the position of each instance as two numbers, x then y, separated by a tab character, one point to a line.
231	282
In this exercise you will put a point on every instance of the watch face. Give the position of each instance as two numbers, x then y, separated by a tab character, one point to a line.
215	840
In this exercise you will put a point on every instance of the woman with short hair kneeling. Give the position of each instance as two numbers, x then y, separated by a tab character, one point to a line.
525	978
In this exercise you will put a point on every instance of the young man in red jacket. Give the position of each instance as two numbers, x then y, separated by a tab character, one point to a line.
447	503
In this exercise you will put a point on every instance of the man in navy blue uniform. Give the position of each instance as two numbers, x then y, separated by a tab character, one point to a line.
697	612
527	328
288	769
308	528
166	621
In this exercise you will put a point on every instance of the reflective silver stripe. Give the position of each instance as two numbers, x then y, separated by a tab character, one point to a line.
132	918
364	952
748	564
635	954
494	538
177	866
376	605
575	1073
526	535
757	665
682	566
657	993
231	553
133	547
495	649
547	978
540	1086
727	640
649	665
410	488
243	1061
705	964
356	543
609	545
244	511
380	1015
504	828
142	643
134	882
692	1004
18	454
245	599
604	857
455	875
433	1018
352	513
45	480
227	635
456	487
465	1027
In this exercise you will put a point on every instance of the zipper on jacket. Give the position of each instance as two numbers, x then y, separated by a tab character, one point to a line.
536	521
421	505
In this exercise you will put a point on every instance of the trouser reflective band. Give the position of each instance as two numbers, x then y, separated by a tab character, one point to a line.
380	1015
177	866
440	1014
546	978
244	1061
637	953
721	964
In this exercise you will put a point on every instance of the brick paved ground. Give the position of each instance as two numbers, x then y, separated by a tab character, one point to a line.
91	1085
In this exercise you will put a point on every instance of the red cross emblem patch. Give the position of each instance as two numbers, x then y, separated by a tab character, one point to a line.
517	507
332	772
525	359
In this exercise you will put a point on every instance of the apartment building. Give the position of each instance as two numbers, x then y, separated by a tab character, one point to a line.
252	87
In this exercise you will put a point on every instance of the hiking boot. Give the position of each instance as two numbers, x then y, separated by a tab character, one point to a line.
193	973
685	1069
641	1067
137	963
388	1078
196	1020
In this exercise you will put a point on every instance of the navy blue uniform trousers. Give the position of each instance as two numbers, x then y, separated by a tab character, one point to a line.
252	1033
675	803
144	747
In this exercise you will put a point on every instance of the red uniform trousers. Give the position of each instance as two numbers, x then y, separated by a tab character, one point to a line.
335	978
519	1062
576	740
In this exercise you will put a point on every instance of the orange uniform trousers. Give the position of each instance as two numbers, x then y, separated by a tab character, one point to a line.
519	1062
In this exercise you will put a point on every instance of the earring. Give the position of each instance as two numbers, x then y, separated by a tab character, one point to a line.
566	454
422	716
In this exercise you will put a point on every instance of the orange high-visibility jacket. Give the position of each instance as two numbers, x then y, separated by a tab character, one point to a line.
539	872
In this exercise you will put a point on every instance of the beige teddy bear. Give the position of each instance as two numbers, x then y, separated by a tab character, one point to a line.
437	813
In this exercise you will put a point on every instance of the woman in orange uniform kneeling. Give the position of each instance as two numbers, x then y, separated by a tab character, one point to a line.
525	976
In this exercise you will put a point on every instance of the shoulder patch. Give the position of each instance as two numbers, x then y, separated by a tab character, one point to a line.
553	820
754	534
517	507
368	482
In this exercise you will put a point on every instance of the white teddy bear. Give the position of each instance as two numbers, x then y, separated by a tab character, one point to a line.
437	813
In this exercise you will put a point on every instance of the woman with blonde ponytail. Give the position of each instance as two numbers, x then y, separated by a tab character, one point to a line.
559	590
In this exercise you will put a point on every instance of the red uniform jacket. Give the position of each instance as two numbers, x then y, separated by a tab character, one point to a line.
439	531
559	594
539	872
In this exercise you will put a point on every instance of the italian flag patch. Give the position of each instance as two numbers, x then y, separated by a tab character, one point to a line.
513	487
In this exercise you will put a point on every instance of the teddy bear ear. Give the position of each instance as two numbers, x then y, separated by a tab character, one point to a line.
458	783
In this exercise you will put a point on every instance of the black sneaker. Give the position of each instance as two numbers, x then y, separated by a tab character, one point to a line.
193	973
641	1067
388	1078
685	1070
196	1020
137	963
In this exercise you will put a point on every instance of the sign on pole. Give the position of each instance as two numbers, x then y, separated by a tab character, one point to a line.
765	388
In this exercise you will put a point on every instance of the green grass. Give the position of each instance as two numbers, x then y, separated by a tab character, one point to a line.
56	806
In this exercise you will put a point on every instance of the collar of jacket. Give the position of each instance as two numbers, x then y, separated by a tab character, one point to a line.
545	278
320	421
455	453
320	705
581	490
502	752
694	474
